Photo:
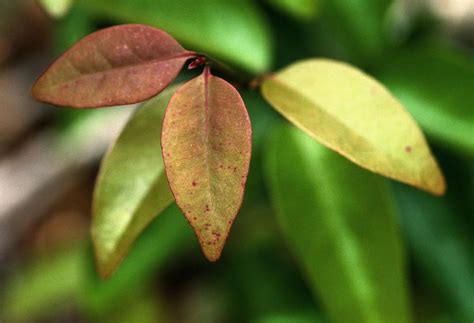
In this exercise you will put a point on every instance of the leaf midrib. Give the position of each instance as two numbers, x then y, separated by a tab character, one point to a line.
207	135
115	69
393	158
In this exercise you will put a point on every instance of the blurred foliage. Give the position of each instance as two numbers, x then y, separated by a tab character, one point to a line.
435	82
278	271
301	9
56	8
68	276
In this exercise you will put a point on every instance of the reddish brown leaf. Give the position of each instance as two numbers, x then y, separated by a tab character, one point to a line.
206	143
119	65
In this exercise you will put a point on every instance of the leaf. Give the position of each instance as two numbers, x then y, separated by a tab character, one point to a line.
233	31
206	144
56	8
441	244
339	222
302	9
351	113
114	66
131	187
436	85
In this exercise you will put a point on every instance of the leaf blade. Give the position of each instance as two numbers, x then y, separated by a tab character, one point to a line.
354	115
339	221
119	65
131	187
207	156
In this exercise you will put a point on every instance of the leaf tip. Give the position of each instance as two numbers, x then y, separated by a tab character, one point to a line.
104	268
36	90
212	251
440	186
106	262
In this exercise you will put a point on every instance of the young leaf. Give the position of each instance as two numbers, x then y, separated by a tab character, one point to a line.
339	222
206	144
56	8
131	187
351	113
436	84
233	31
115	66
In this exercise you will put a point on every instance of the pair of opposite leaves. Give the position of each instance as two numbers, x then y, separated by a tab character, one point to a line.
206	134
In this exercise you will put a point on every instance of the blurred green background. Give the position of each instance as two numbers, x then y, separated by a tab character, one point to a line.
318	239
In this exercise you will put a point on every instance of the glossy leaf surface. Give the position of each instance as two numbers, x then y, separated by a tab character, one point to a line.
351	113
131	188
206	145
436	84
339	222
115	66
56	8
232	31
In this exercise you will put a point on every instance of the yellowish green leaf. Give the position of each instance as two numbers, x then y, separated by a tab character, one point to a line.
353	114
206	144
131	188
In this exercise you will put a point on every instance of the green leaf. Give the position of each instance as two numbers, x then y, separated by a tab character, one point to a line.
131	188
234	31
302	9
56	8
114	66
436	85
351	113
441	244
206	144
339	221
